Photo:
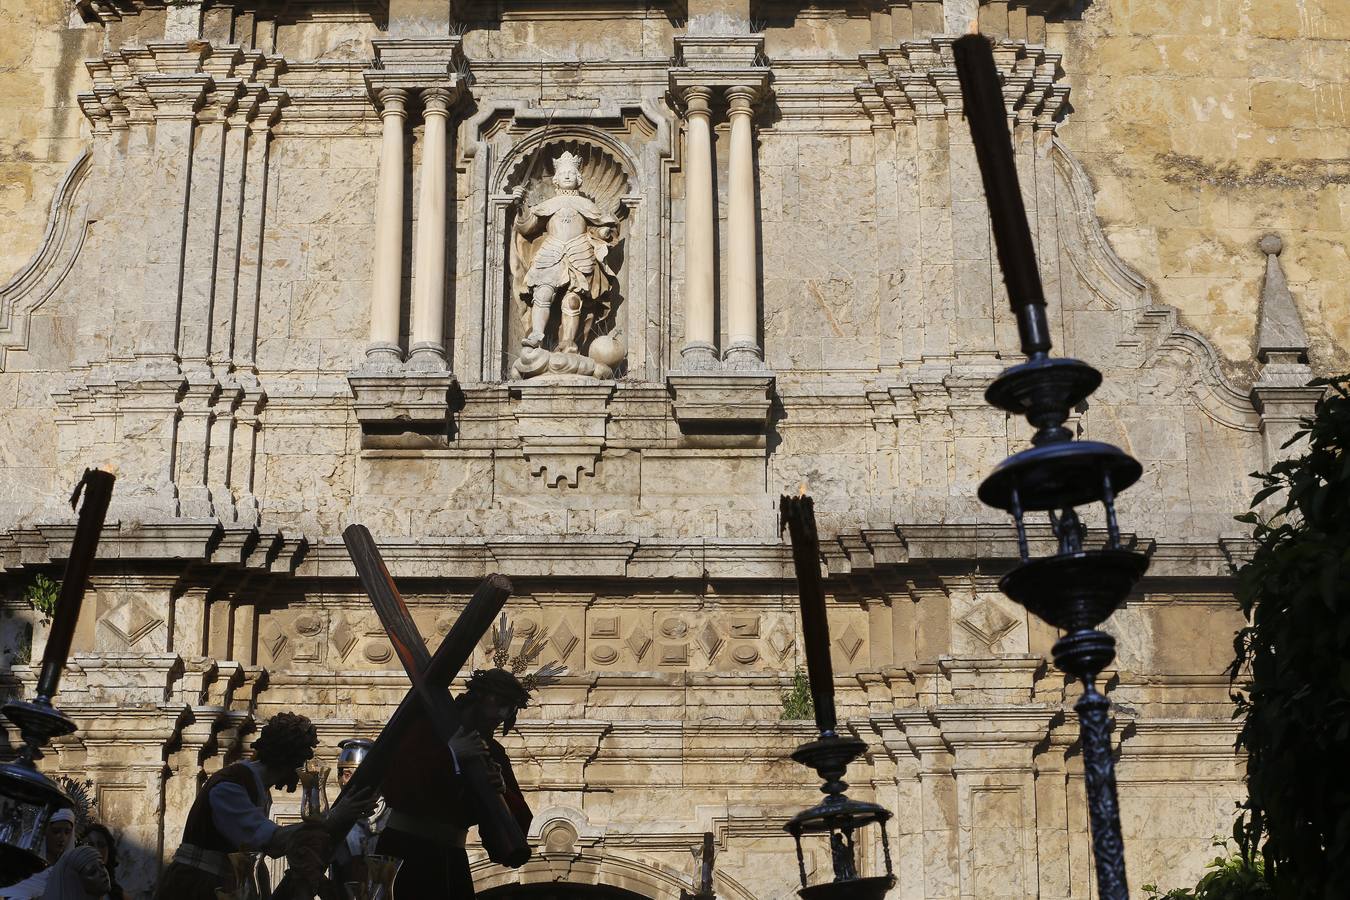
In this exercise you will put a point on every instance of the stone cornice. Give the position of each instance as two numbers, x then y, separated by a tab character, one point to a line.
167	80
917	80
855	560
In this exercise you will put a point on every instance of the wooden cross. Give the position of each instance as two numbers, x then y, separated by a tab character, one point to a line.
497	826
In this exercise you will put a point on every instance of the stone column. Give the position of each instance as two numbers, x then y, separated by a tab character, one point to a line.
428	309
700	350
743	349
388	266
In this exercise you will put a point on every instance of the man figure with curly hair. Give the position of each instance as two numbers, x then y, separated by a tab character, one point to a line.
429	810
231	811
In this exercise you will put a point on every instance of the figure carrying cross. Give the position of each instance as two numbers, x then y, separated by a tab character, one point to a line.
437	762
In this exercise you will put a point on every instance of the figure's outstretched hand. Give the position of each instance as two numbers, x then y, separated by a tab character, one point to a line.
467	746
518	195
349	808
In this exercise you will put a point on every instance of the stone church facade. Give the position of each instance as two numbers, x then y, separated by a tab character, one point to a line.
285	284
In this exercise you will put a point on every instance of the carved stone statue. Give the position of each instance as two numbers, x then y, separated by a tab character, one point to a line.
561	271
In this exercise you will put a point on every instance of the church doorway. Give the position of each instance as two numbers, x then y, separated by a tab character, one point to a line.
555	891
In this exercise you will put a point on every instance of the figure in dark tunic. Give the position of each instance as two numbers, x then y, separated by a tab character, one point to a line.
430	812
231	812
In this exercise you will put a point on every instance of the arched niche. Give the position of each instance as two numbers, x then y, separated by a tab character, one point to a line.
627	146
608	183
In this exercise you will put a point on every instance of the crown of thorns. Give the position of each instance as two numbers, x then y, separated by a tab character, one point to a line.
548	673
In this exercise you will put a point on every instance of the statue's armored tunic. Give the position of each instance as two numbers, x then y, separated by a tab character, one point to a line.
573	263
559	256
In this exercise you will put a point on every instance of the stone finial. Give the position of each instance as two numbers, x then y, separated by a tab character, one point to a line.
1279	333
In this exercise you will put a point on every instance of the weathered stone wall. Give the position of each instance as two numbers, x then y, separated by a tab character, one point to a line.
1204	126
41	128
198	315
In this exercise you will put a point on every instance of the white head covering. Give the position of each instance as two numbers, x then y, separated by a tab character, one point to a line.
79	875
63	815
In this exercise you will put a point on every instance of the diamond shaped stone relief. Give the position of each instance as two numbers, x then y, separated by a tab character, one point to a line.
988	624
781	640
563	640
132	620
849	642
276	643
639	641
343	638
709	640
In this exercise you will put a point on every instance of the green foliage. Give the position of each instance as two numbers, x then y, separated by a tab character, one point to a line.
1292	666
1227	877
42	595
797	703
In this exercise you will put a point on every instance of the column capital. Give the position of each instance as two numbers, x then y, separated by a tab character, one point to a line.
697	100
436	100
741	98
392	101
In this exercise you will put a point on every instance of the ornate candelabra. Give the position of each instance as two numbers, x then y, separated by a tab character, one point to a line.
1076	588
838	818
29	797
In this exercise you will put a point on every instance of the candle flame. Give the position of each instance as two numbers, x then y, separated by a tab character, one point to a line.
801	489
973	27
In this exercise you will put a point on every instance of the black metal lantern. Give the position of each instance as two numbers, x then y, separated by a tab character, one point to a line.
838	824
28	799
1077	587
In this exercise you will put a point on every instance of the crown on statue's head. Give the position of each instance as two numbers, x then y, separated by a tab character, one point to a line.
567	161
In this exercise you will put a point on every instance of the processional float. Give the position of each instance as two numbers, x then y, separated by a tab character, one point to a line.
28	799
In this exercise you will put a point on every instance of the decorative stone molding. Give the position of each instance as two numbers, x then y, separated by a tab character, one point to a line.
51	263
383	399
561	427
739	400
917	80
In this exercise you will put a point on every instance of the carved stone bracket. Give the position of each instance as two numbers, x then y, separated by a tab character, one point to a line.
739	400
917	79
561	427
418	399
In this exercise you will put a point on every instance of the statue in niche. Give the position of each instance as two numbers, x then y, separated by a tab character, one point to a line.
562	268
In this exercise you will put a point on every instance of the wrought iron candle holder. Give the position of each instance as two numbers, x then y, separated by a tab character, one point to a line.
1078	587
28	799
837	822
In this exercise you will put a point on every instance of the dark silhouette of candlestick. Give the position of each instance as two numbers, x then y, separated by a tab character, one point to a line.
97	487
988	119
799	517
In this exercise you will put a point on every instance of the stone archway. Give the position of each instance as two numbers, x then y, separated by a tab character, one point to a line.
591	874
559	891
